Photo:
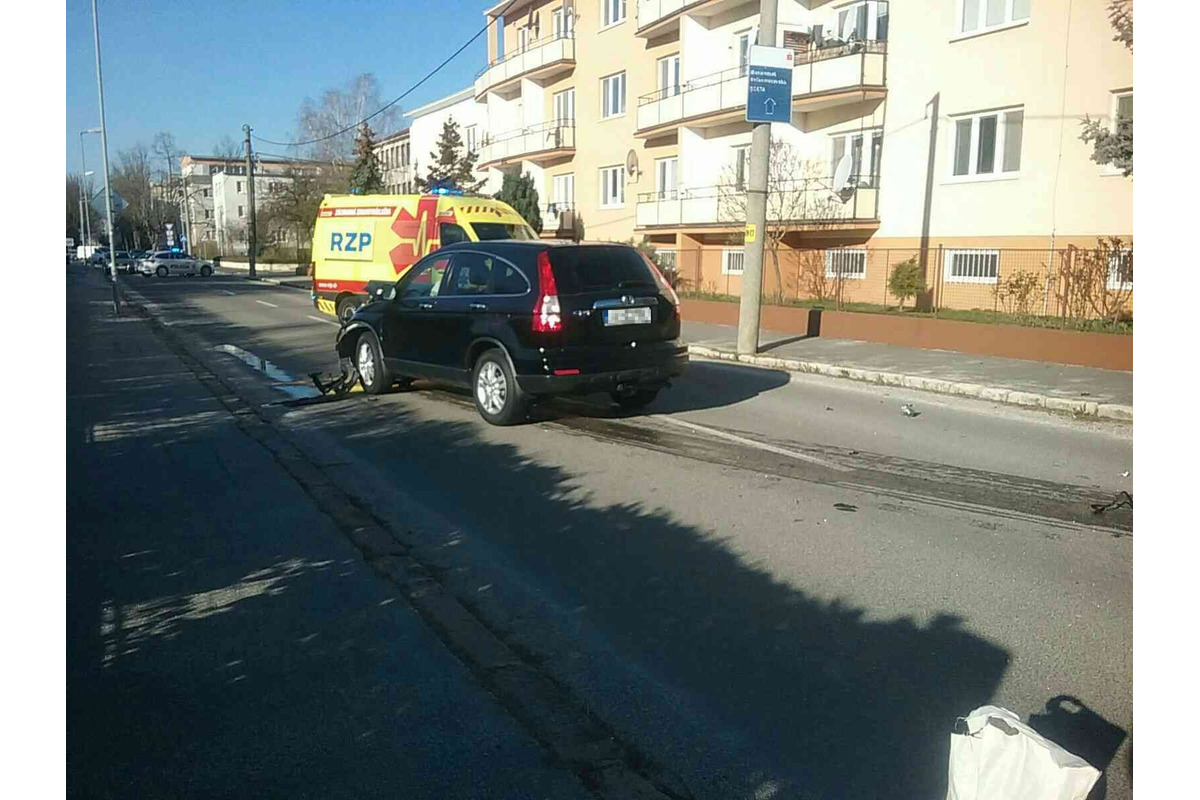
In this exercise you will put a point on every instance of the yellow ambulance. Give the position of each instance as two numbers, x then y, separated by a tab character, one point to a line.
377	237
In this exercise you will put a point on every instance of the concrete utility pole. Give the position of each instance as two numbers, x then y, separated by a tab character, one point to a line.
250	201
756	206
87	211
112	234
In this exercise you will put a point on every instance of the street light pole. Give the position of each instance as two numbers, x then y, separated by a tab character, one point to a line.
112	234
750	309
87	211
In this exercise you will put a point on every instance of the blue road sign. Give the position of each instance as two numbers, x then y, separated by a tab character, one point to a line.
769	84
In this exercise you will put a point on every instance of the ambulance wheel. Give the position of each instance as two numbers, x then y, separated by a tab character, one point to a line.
346	307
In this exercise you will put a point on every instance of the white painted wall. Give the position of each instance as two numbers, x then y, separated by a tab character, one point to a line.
426	129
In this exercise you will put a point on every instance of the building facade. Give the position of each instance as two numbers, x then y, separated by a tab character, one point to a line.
228	189
395	162
955	124
426	130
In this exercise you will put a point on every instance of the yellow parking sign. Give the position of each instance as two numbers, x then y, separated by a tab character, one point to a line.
751	233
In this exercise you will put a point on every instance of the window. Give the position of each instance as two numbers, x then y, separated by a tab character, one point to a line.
208	215
470	137
1120	270
666	171
1122	114
425	278
612	94
563	26
404	153
524	35
206	192
988	144
667	260
733	262
564	106
563	191
741	166
239	187
668	76
470	274
611	12
744	40
848	264
612	187
449	233
972	266
855	143
509	279
213	169
977	16
241	211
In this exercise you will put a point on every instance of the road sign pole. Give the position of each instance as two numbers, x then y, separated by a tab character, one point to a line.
750	309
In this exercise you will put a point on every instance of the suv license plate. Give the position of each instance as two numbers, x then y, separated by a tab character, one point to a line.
627	316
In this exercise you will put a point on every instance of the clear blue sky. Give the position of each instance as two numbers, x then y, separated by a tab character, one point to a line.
202	69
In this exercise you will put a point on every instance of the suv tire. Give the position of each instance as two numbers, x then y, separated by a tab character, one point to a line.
498	397
373	373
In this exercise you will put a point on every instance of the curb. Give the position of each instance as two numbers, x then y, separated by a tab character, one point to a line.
274	281
1086	408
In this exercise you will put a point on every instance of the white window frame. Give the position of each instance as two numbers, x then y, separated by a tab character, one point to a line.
565	99
604	95
948	266
556	21
997	173
606	181
673	253
560	185
470	139
741	153
859	266
726	254
660	170
851	9
1114	271
740	60
983	27
608	7
1109	169
674	83
869	137
241	211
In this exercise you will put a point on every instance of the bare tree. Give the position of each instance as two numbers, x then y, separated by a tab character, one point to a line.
799	195
228	148
292	207
340	109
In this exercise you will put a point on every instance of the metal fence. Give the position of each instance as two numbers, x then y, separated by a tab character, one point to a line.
1070	287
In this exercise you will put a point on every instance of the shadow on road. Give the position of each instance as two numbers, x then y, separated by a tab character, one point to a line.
1081	731
842	704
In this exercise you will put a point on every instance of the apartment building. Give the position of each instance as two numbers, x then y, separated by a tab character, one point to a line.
195	186
955	122
229	191
395	162
426	130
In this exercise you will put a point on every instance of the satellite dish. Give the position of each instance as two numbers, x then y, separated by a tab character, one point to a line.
631	164
841	174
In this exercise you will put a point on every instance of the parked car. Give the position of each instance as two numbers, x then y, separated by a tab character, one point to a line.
520	320
165	263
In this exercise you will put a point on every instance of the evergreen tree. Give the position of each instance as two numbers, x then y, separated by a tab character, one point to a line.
453	165
520	193
1114	146
365	177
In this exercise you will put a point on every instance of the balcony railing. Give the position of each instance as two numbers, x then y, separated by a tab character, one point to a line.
546	138
805	202
558	217
540	57
818	72
652	11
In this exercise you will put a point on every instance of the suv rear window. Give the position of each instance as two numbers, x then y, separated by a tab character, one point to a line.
597	268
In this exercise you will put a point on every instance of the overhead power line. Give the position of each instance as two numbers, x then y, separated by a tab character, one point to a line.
409	91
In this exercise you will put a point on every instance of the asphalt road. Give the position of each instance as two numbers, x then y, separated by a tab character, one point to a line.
773	585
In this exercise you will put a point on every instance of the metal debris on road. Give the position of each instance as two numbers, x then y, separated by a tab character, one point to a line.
845	507
1125	474
829	408
908	410
1121	500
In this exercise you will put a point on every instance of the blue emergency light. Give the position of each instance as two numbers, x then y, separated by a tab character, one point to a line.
443	190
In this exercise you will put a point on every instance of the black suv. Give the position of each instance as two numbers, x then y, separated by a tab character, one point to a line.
518	320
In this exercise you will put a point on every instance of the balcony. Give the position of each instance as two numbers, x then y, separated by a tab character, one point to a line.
558	220
544	58
655	17
805	203
822	78
537	143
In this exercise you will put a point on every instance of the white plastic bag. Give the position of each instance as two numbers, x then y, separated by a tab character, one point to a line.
998	757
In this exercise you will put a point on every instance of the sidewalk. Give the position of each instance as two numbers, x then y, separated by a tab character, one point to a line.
224	638
1057	387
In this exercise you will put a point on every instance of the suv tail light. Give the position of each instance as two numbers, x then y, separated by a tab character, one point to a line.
547	313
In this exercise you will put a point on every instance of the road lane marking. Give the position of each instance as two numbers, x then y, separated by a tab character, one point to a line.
226	291
265	303
326	321
742	440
